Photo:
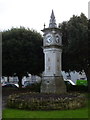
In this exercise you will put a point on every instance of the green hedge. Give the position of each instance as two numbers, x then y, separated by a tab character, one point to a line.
37	101
81	82
77	88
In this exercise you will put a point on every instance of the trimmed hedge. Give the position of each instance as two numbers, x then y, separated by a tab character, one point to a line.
77	88
39	101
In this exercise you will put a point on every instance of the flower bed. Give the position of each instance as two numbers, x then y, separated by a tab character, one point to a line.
39	101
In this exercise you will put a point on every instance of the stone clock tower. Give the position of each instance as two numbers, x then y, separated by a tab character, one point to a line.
52	80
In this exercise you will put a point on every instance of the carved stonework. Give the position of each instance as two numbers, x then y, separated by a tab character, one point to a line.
58	68
52	80
49	68
48	59
53	85
52	23
57	60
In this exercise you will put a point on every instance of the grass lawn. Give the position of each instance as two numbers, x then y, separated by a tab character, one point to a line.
14	113
78	113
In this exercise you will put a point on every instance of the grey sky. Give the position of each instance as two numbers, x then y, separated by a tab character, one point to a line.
34	13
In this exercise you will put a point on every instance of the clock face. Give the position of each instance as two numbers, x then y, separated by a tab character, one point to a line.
49	38
57	38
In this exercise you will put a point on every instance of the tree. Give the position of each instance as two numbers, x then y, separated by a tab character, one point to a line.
75	45
21	52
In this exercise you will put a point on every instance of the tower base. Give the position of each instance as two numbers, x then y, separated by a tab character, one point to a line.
53	84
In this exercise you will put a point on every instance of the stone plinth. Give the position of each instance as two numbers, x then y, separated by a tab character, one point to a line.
53	84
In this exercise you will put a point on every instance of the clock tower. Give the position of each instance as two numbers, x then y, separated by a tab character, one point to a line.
52	80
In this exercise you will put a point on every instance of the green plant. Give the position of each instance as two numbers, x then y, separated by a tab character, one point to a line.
39	101
81	82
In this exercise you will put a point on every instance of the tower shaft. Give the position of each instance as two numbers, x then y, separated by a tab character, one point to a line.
52	80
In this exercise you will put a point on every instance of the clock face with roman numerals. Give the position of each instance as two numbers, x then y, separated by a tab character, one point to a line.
49	38
57	38
52	39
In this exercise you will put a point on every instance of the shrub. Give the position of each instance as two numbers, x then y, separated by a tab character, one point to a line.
77	88
82	82
39	101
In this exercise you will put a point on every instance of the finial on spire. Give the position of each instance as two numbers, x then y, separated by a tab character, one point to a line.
52	15
52	23
44	25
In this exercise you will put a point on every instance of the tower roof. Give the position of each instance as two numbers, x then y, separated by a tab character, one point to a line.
52	23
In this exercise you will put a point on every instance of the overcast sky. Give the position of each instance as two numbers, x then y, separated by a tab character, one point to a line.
34	13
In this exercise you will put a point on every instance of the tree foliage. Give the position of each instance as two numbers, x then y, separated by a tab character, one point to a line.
75	43
21	52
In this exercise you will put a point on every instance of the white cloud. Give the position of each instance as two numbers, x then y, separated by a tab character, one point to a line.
33	13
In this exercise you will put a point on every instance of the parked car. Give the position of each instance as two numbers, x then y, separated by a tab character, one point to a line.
4	83
28	84
9	85
16	85
69	82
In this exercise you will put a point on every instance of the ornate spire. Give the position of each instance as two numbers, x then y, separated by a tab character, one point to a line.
52	23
